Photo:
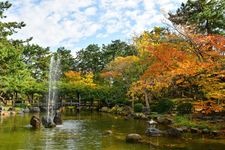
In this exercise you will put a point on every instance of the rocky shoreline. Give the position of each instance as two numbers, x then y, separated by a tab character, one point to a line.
168	122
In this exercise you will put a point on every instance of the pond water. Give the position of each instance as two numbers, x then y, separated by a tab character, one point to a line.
84	132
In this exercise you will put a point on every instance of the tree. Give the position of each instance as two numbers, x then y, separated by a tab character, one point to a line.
12	69
7	28
89	59
119	74
66	59
174	63
117	48
77	84
201	16
15	66
37	60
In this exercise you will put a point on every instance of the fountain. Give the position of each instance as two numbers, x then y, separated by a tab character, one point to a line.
48	121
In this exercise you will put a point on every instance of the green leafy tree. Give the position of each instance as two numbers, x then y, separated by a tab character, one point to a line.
117	48
7	28
67	60
206	16
37	60
90	59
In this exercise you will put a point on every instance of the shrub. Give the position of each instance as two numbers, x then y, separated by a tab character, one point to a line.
184	108
138	107
163	106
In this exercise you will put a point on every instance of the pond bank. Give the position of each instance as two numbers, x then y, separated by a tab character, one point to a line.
177	125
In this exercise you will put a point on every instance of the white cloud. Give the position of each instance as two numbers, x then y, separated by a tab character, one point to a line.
68	23
90	11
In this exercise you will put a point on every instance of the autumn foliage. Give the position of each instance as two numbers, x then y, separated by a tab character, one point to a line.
176	61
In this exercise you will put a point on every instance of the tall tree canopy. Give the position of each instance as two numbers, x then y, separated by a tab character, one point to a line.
7	28
89	59
66	58
201	16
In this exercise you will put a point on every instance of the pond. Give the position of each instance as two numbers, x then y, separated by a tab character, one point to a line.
84	132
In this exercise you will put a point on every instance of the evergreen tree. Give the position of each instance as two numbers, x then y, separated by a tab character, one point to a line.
203	16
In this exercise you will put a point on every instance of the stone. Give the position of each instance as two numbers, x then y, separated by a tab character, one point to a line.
127	110
195	130
35	122
133	138
47	122
107	132
26	110
140	116
205	131
184	129
181	130
104	109
174	132
34	109
127	117
153	132
216	133
165	121
57	118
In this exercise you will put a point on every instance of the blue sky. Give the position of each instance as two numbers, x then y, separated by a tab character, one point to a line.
75	24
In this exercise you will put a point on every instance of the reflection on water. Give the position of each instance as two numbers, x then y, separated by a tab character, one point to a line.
84	132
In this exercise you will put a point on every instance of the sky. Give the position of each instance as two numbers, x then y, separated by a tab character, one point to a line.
75	24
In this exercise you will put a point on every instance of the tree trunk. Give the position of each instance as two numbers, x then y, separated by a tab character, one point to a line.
132	104
146	100
16	98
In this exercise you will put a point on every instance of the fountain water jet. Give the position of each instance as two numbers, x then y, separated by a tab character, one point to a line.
47	121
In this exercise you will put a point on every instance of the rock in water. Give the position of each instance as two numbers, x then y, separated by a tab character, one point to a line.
47	122
34	109
35	122
133	138
153	132
107	132
57	119
174	132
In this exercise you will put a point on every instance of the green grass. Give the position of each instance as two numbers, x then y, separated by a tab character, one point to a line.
191	123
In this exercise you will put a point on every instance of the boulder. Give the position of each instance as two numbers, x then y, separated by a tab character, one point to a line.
57	118
35	122
205	131
195	130
127	110
128	117
104	109
165	121
34	109
133	138
184	129
107	132
174	132
216	133
153	132
47	122
140	116
26	110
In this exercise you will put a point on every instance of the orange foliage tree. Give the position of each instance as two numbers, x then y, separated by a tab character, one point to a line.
175	59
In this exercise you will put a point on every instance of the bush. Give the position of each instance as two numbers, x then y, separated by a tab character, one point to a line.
163	106
184	108
138	107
